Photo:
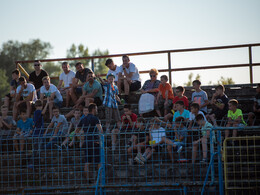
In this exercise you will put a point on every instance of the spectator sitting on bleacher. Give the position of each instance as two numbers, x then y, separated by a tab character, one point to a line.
200	96
51	91
14	84
195	110
157	136
128	77
180	136
151	85
59	125
36	76
181	111
66	77
81	75
72	135
25	96
164	97
256	107
139	139
85	112
38	118
92	128
6	123
92	92
205	128
235	118
219	102
113	69
24	129
128	120
110	101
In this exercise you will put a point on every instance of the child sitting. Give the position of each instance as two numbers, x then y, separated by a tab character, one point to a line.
139	140
60	125
205	128
219	102
24	129
128	123
194	108
72	134
199	96
156	137
164	97
235	118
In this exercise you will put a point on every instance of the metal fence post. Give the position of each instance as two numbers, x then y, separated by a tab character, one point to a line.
170	67
103	173
92	64
250	64
220	169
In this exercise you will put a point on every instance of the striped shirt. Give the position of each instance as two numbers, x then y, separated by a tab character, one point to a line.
110	95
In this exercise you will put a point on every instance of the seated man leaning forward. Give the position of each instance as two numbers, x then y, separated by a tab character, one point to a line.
25	96
92	92
128	77
51	91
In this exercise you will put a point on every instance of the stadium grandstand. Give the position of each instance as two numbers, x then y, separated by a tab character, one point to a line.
124	150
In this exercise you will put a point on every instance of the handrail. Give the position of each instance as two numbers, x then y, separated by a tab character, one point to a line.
168	52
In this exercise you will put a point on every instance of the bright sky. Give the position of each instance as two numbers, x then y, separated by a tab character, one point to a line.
143	25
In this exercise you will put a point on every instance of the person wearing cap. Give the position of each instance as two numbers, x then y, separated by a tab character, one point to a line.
78	81
128	77
113	69
36	76
110	101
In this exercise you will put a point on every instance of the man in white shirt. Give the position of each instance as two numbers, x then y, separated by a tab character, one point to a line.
66	77
128	77
25	96
50	91
113	69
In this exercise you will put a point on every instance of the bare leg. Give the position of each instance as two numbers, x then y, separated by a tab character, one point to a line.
86	169
67	97
88	101
126	87
212	118
73	94
22	142
119	86
15	110
227	131
204	147
15	143
194	151
50	109
114	136
170	152
29	109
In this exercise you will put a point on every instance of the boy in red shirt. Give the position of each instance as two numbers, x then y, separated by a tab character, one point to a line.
128	123
165	96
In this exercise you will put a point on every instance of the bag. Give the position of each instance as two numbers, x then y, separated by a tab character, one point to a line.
146	103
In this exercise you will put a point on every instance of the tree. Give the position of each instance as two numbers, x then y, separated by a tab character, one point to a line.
4	85
190	79
12	51
226	81
82	51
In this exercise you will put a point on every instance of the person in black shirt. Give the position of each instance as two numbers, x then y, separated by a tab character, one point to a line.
219	102
254	118
36	76
92	127
81	76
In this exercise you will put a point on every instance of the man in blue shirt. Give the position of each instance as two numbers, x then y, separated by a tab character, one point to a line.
92	128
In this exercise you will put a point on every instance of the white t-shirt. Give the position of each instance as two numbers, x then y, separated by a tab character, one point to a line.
51	90
114	72
131	68
157	134
64	123
192	116
67	78
29	89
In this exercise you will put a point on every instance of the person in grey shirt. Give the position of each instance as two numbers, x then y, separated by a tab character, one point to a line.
199	96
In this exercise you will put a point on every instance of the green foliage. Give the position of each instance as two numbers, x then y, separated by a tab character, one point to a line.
82	51
226	81
190	79
4	85
12	51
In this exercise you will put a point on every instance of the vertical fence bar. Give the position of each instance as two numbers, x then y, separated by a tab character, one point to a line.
250	64
220	170
92	64
170	67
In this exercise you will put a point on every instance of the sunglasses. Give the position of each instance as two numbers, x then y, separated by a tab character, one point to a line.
36	64
152	75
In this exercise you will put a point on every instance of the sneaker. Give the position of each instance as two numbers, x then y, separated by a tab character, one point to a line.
203	160
139	160
130	161
179	149
140	156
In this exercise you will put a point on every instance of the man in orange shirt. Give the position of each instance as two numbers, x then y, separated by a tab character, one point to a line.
164	97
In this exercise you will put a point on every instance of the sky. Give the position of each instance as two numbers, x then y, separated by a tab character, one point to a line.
143	25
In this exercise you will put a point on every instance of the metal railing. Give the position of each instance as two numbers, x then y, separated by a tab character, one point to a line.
169	53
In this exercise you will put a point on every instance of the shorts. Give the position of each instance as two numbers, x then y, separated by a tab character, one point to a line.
112	113
156	148
24	134
97	101
219	114
92	152
135	85
161	104
79	90
57	103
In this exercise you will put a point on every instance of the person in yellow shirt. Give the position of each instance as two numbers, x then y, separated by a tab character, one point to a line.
235	118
